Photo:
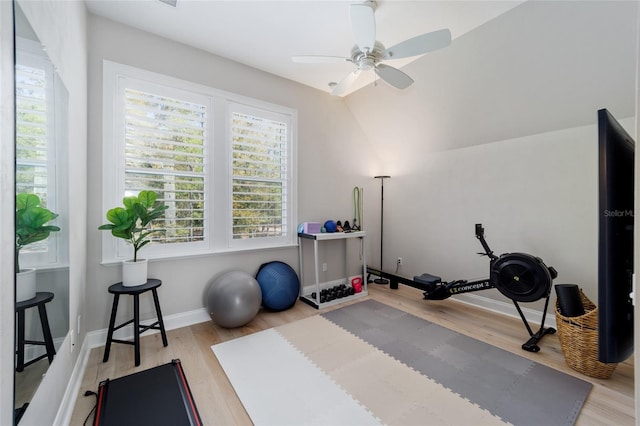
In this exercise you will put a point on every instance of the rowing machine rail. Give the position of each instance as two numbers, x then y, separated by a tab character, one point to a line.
518	276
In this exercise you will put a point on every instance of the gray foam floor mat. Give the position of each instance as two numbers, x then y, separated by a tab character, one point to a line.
518	390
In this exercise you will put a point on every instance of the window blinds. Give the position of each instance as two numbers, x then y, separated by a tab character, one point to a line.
259	176
165	152
33	137
31	131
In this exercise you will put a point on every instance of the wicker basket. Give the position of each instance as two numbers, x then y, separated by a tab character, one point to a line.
579	341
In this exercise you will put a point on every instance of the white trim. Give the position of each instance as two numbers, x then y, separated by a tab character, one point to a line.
30	53
68	403
504	308
116	79
98	338
7	212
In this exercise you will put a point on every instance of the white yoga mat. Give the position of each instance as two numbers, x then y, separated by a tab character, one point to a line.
279	386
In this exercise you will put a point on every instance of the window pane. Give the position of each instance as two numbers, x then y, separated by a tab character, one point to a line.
165	152
31	131
259	169
32	137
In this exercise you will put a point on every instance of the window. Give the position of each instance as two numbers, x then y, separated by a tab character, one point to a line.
165	152
33	122
260	170
223	164
39	94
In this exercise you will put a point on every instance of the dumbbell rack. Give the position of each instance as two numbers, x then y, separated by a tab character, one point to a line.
305	294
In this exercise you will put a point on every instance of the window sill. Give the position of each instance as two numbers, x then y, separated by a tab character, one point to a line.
49	268
227	251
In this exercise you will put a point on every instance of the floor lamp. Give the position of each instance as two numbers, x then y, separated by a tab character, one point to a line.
381	280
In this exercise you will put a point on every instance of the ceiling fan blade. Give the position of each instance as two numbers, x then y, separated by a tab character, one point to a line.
346	82
318	59
418	45
394	76
363	23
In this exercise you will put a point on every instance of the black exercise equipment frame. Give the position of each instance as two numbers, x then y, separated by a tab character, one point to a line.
435	289
122	401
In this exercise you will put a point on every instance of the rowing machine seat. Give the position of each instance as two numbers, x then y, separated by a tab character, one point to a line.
427	279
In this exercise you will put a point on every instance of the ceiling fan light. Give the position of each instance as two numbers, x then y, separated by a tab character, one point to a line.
366	64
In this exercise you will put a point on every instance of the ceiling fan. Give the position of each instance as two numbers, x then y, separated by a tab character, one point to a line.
368	53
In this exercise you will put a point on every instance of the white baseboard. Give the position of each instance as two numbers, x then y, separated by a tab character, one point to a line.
98	338
507	308
63	417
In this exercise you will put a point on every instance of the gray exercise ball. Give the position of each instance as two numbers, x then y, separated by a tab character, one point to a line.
233	299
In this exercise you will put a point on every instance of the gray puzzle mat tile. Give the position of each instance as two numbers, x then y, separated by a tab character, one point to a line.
436	369
376	337
353	324
507	360
402	351
430	337
455	357
514	388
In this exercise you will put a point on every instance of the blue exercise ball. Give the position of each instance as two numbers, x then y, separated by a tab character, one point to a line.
330	226
279	284
233	299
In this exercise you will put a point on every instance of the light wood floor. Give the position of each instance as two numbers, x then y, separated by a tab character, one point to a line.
610	401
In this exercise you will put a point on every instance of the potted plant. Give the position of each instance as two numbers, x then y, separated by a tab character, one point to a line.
132	223
31	227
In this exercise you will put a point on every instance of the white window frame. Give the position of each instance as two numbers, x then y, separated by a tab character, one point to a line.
218	221
54	254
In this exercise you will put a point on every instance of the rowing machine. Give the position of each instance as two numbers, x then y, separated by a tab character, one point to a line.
518	276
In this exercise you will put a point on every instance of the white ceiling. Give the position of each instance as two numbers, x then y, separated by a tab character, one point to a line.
265	34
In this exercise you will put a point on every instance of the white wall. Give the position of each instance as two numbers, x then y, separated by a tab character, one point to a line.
499	129
7	213
333	157
61	27
536	194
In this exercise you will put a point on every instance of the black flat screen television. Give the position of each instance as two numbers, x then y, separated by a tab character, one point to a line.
615	240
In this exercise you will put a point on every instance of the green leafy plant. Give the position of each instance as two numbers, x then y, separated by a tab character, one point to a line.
31	223
132	222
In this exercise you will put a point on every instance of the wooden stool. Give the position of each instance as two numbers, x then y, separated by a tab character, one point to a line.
40	300
118	289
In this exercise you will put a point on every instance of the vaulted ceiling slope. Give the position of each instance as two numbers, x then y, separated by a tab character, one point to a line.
542	66
266	34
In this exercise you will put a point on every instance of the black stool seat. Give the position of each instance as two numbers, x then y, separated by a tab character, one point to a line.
40	300
119	289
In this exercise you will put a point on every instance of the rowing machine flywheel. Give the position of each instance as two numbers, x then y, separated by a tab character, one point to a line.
521	277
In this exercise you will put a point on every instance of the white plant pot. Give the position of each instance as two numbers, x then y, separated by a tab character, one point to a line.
134	273
25	285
